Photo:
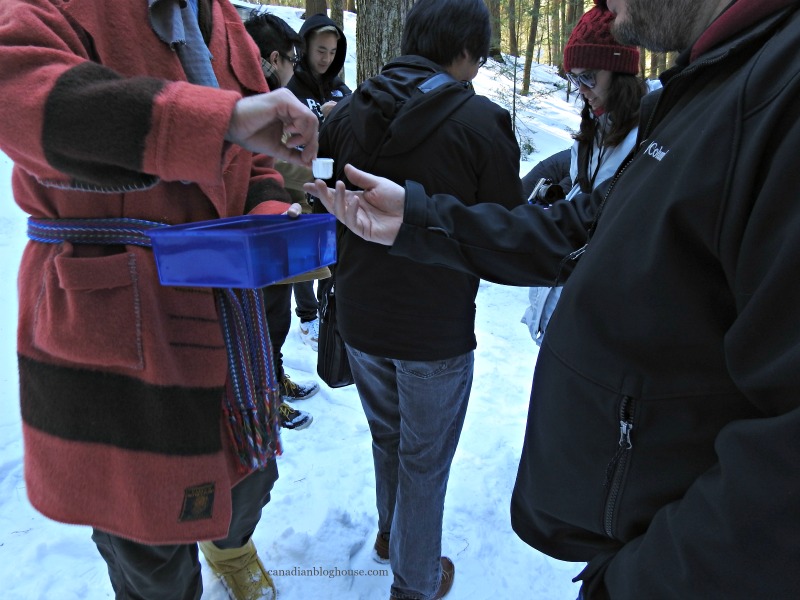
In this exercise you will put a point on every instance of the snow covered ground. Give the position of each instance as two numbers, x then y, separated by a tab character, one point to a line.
322	518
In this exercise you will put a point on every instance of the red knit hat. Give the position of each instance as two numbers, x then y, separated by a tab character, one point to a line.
592	46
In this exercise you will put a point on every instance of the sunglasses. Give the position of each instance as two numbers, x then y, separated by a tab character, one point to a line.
587	78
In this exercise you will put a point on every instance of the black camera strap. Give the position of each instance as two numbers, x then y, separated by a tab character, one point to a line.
585	151
584	157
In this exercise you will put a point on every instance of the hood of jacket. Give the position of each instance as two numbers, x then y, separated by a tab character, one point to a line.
393	111
311	24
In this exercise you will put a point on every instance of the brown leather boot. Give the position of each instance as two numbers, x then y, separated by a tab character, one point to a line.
445	583
381	548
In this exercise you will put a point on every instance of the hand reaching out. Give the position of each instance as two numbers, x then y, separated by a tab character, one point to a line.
374	214
274	124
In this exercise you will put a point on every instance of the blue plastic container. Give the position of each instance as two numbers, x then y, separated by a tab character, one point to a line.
243	252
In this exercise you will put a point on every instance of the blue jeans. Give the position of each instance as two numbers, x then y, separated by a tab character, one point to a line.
415	411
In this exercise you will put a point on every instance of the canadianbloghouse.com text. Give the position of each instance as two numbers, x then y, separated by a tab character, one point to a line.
330	572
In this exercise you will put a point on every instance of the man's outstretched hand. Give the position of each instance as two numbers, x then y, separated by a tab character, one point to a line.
275	124
374	214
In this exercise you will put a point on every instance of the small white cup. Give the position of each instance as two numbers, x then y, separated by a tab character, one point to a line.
322	168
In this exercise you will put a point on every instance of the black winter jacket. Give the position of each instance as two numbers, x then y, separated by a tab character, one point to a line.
316	91
663	437
452	140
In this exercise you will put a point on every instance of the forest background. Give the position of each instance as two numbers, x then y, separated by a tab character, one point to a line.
523	32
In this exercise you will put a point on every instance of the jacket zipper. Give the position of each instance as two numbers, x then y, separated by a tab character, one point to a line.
615	472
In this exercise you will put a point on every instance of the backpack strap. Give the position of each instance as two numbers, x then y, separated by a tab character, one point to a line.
436	81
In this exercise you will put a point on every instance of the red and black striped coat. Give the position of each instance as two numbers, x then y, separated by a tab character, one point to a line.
121	378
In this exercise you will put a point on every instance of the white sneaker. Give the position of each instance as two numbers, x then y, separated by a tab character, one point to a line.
309	333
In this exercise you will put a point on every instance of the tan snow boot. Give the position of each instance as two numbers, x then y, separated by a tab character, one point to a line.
241	571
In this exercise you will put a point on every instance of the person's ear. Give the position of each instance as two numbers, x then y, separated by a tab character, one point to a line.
274	56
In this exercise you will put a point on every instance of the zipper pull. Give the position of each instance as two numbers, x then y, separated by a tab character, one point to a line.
576	254
625	435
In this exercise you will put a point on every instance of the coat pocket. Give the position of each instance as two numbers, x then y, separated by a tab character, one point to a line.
88	311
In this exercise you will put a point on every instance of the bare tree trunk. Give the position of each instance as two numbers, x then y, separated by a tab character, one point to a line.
664	62
338	17
554	35
495	45
351	6
643	62
378	33
655	59
513	50
526	78
314	7
574	11
337	8
658	64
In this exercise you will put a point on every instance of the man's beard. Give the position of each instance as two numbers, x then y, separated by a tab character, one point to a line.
658	25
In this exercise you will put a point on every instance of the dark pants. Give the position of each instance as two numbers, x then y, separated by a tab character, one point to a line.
307	307
172	572
278	309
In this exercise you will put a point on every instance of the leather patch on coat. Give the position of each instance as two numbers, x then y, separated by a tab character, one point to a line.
198	502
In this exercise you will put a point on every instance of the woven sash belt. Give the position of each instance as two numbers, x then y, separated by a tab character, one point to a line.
252	396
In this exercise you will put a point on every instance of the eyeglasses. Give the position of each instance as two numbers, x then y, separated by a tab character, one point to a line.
482	61
587	78
292	59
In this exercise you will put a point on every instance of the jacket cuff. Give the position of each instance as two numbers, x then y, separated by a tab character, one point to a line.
177	109
269	207
266	189
414	212
592	577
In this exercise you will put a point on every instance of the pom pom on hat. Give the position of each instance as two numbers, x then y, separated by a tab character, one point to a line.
592	45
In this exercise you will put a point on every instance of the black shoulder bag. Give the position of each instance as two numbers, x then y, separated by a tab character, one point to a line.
333	367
